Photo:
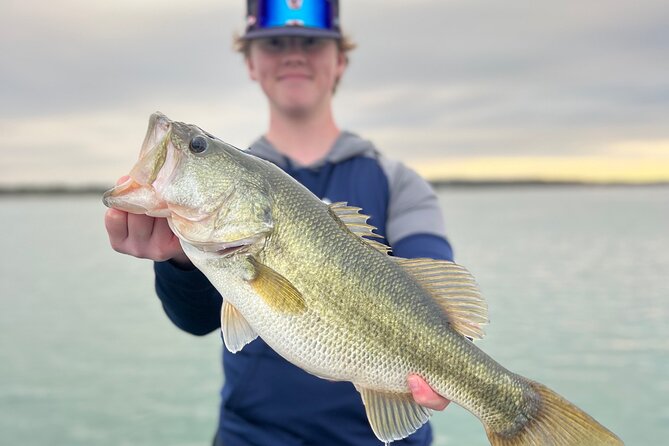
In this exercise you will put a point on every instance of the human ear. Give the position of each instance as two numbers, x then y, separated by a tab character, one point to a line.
250	66
342	63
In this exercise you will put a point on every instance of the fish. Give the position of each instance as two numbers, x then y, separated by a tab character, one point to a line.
314	281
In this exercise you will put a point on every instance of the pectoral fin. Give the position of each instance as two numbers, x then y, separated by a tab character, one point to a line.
276	290
454	289
236	330
393	416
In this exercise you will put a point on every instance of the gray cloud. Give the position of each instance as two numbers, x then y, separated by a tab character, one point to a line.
446	77
561	76
80	56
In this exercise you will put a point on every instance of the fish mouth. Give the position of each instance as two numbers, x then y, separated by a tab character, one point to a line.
138	194
135	198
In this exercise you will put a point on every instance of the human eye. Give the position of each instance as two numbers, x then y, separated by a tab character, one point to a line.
273	44
312	43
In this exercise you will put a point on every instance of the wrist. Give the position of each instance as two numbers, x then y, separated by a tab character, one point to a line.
181	261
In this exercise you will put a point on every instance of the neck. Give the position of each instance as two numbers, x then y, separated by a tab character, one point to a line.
305	138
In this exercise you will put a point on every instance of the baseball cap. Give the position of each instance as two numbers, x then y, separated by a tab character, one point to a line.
309	18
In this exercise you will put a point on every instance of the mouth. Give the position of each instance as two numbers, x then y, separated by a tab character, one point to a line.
154	150
138	193
294	76
132	197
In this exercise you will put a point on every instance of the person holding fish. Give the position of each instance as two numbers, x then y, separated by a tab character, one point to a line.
297	53
329	340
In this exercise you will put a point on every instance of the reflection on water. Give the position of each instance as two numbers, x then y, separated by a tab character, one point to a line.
575	279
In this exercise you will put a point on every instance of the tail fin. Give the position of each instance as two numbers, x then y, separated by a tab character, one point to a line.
557	423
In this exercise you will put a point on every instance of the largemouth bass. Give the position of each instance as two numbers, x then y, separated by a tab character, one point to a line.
310	280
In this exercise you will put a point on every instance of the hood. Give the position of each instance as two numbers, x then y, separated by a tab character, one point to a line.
346	146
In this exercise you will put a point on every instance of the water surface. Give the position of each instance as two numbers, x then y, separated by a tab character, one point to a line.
576	279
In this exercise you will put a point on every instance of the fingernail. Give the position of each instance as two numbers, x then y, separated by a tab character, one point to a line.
413	383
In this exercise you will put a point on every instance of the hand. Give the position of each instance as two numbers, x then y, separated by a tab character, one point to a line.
424	395
143	236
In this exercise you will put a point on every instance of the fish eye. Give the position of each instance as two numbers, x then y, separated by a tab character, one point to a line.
198	144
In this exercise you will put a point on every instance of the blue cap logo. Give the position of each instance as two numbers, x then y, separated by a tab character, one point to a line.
294	4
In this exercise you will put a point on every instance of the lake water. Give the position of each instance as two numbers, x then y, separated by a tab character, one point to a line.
576	278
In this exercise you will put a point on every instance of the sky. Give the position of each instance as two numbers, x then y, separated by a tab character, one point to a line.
457	89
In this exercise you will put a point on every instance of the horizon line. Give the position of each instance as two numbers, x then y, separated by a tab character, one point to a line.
92	188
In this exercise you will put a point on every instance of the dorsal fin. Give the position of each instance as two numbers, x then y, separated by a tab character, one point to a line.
454	289
356	222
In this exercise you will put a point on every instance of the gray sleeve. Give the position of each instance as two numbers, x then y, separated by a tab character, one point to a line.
413	206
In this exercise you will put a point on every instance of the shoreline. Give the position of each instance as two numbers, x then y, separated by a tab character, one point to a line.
50	189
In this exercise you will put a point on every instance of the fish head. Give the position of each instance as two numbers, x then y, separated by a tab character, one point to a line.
213	195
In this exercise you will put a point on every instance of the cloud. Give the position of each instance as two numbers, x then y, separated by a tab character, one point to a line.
80	55
97	146
563	77
431	78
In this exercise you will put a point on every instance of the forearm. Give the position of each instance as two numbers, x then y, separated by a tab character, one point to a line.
423	245
189	299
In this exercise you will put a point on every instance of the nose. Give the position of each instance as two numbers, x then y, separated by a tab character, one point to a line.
294	51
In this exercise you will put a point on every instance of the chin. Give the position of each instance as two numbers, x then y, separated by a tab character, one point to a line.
297	112
297	106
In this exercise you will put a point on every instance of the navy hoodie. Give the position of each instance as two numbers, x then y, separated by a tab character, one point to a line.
266	400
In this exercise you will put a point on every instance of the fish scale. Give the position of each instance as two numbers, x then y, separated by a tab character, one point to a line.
386	307
298	273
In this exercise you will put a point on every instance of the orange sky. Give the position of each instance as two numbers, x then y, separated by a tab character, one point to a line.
629	162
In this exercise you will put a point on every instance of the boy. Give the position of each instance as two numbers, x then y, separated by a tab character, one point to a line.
297	53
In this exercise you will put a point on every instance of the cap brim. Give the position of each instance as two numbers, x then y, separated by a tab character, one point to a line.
301	31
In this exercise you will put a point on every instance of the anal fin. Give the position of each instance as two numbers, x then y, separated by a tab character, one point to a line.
392	415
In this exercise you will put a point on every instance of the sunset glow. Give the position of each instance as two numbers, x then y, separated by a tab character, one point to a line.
597	169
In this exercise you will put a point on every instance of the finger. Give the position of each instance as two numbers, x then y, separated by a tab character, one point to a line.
424	395
162	231
116	220
140	228
165	241
116	224
122	180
